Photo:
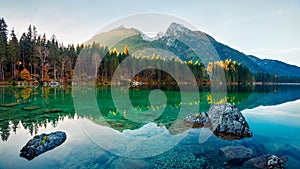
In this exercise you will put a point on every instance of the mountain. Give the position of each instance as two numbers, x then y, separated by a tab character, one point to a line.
114	36
189	45
275	66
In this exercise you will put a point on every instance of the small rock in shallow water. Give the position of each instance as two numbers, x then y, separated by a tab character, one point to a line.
236	154
291	151
198	119
9	104
30	108
128	163
42	143
259	162
268	161
51	111
275	162
101	157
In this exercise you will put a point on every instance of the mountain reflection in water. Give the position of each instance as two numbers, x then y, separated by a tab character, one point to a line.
61	102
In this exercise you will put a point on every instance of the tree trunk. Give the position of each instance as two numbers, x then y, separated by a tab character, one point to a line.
3	77
34	68
54	73
0	71
42	72
31	70
62	70
12	71
96	72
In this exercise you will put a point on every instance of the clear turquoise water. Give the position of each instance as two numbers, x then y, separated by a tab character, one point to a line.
272	113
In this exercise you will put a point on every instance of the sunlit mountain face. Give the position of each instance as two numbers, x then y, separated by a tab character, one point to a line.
168	40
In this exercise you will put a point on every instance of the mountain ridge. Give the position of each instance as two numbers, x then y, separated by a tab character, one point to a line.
194	45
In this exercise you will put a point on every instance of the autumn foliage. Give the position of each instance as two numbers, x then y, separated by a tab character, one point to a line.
25	75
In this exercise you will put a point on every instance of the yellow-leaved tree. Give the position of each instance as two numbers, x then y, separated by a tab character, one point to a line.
25	75
126	51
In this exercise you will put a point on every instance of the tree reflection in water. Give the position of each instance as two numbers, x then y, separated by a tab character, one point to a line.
60	99
49	98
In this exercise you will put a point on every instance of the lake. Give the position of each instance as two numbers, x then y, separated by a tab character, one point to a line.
144	135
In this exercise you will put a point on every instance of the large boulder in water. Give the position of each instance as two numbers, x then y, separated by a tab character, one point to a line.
42	143
228	122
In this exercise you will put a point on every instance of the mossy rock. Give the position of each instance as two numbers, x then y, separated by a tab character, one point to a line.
9	104
4	109
40	144
52	111
44	140
30	108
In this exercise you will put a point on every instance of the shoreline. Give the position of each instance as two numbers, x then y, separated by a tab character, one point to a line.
26	84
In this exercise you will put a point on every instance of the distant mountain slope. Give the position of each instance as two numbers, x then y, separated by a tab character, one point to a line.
114	36
226	52
186	44
275	66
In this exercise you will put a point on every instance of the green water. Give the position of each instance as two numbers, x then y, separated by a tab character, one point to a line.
271	111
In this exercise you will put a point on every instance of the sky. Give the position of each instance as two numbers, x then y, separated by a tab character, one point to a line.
267	29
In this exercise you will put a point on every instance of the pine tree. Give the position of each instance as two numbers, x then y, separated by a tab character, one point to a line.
30	47
22	46
3	48
13	52
54	55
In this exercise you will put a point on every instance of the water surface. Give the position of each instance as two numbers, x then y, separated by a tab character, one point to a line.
271	111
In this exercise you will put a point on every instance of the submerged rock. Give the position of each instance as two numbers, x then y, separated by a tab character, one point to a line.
30	108
42	143
236	154
275	162
9	104
258	162
268	161
291	151
228	122
128	163
198	119
101	157
51	111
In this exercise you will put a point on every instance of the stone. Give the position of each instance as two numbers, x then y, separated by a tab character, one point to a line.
291	151
128	163
40	144
236	154
198	119
259	162
9	104
275	162
101	157
268	161
178	127
51	111
228	122
30	108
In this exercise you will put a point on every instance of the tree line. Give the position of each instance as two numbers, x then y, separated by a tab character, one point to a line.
34	57
98	61
34	53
